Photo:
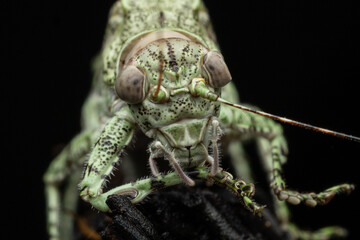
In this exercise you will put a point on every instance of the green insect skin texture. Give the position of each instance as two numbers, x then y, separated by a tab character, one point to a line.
109	123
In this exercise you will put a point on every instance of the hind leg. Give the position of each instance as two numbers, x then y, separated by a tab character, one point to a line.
68	162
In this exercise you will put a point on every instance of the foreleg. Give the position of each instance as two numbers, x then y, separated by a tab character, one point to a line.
139	189
116	135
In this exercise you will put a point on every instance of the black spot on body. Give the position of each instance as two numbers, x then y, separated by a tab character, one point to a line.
161	18
90	169
277	172
172	63
136	81
155	184
252	206
193	173
246	188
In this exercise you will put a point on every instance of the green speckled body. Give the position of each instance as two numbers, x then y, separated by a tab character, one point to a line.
169	47
130	20
183	121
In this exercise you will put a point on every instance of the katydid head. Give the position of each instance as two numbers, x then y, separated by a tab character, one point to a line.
162	103
154	64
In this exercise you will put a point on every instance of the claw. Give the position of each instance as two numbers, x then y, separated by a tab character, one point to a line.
293	200
312	199
322	233
310	202
327	198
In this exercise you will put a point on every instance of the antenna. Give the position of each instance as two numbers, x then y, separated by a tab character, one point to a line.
292	122
161	57
199	87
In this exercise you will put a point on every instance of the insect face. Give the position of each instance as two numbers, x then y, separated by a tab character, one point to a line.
163	60
168	112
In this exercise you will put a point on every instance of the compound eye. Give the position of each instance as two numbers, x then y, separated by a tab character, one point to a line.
216	69
130	85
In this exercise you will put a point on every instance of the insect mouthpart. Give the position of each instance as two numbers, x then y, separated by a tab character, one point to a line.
188	156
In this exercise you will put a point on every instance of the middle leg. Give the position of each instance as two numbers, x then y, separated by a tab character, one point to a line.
274	147
273	151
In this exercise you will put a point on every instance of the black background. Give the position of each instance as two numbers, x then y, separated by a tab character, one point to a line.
296	59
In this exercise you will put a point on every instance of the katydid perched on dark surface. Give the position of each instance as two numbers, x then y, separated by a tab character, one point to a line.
161	71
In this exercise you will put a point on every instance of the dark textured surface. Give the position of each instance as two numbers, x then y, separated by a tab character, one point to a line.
188	213
293	58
